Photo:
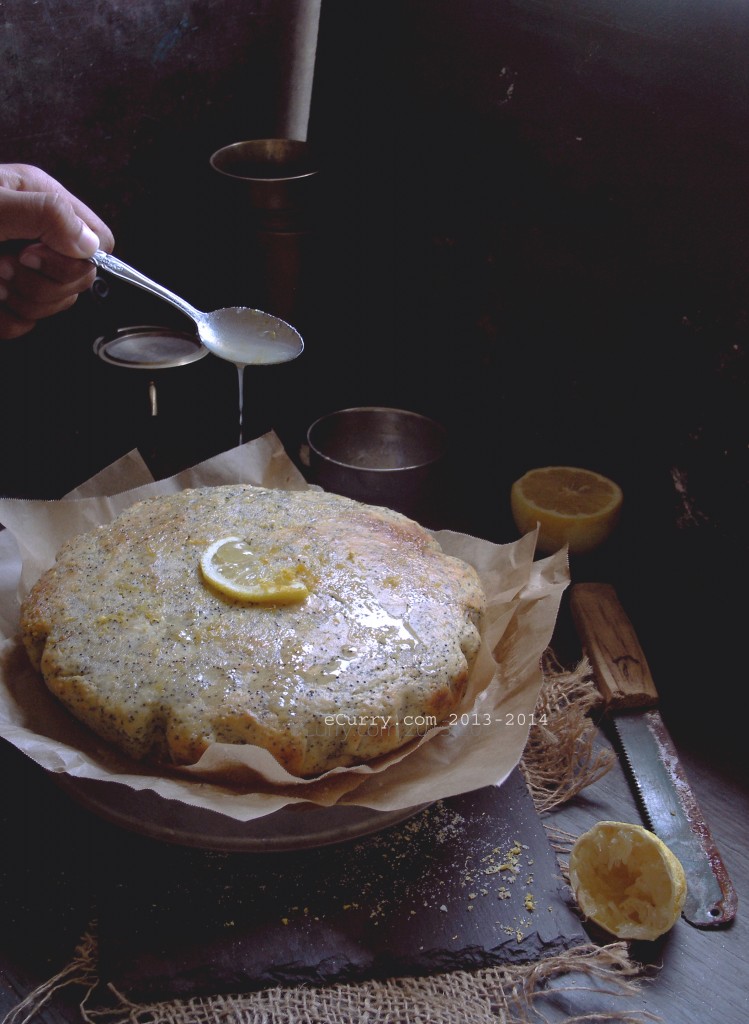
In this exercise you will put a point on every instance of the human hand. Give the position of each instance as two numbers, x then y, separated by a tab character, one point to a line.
53	234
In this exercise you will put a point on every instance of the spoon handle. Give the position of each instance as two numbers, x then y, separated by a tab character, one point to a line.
127	273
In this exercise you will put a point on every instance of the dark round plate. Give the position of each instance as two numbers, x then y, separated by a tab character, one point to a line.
294	827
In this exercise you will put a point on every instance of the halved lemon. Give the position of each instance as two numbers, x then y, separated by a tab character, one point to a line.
572	506
234	569
627	880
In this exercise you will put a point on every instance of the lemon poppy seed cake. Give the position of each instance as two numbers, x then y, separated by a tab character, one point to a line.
314	626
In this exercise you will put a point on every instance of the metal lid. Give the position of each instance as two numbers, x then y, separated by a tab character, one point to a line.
149	348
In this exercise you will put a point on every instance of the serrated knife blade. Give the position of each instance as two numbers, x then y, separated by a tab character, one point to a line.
660	784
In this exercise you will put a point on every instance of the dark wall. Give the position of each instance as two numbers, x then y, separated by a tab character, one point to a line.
124	101
545	243
548	226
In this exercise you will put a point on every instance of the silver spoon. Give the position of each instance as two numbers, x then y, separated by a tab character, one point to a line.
243	336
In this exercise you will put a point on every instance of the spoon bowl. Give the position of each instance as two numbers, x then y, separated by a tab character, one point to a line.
239	334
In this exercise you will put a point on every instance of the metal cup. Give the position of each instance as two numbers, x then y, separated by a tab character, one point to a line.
381	456
269	191
276	177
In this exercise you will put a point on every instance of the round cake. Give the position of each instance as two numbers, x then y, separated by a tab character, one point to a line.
354	634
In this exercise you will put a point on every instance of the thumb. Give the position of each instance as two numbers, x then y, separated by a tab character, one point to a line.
45	217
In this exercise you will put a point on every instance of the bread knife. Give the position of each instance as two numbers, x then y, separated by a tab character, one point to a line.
660	784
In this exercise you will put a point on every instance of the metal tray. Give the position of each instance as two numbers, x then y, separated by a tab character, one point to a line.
149	348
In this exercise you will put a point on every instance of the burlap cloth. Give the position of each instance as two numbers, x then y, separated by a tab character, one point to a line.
561	759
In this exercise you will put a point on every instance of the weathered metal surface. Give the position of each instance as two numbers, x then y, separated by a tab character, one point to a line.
673	813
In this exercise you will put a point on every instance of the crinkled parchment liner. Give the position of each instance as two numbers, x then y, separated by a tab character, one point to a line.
484	746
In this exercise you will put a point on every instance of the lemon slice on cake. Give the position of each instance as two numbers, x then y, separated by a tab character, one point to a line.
627	880
231	567
571	506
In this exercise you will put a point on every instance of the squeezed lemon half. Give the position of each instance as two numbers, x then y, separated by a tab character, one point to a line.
572	506
627	880
235	570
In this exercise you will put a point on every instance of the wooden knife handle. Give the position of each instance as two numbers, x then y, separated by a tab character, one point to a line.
609	640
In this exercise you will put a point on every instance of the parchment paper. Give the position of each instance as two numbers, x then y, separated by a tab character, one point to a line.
481	747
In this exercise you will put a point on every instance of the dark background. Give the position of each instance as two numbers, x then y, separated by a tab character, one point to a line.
532	224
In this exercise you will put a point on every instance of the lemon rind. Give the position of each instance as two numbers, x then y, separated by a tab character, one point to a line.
286	593
599	907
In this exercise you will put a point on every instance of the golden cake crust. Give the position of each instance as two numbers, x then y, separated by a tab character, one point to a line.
134	642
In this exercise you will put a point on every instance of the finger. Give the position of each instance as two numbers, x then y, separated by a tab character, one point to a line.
34	308
27	178
49	217
34	304
30	295
94	222
40	276
51	265
12	326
